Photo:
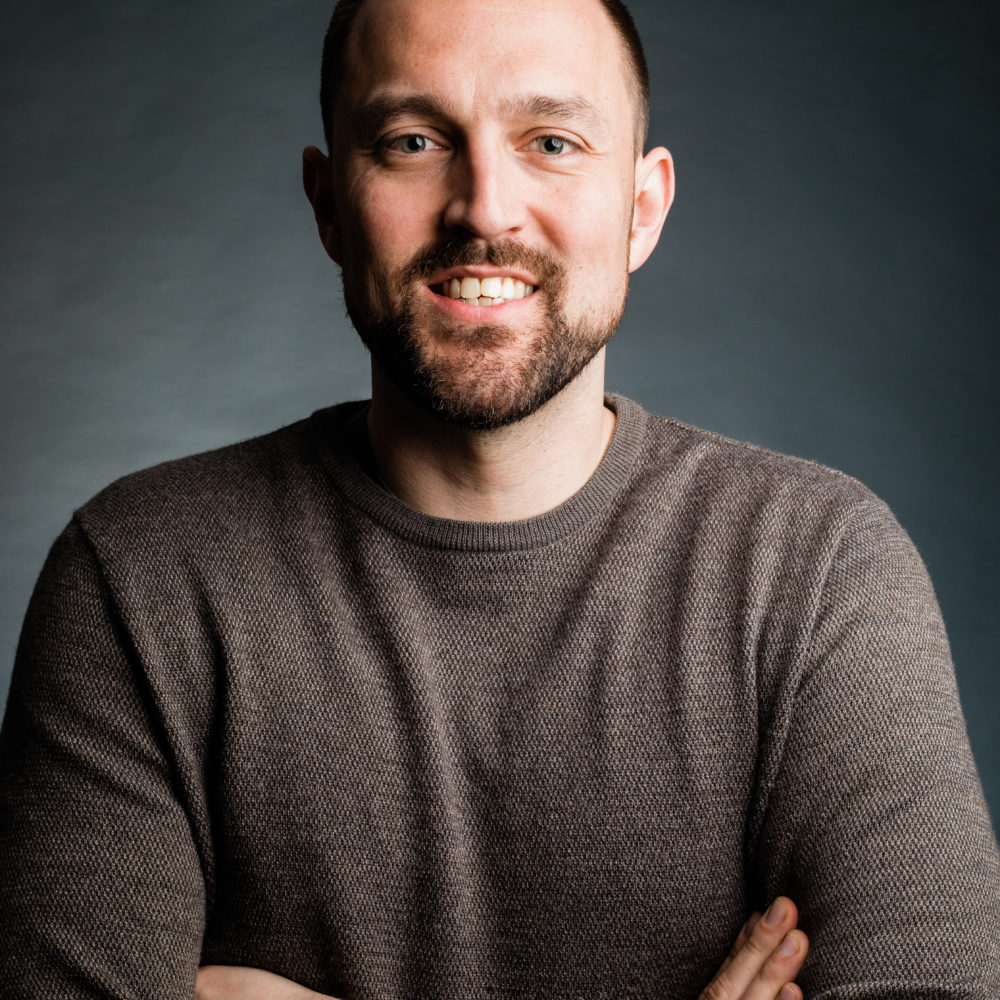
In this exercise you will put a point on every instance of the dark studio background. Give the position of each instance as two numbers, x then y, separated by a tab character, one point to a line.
826	284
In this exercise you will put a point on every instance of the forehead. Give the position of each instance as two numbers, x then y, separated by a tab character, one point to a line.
475	54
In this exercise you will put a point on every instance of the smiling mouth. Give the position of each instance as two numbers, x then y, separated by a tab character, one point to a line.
484	291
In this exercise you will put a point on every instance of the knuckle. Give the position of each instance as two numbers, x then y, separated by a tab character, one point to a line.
771	977
757	946
717	990
780	968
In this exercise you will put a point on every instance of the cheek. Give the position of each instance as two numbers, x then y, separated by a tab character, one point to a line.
389	225
590	220
593	242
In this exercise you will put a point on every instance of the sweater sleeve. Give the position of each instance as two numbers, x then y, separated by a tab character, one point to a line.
101	889
876	822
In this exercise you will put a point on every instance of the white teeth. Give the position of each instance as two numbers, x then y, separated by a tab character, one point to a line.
492	291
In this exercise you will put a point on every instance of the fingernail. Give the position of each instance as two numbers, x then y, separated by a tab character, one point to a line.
789	946
775	913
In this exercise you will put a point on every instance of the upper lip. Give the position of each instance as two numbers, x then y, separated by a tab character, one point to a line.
482	271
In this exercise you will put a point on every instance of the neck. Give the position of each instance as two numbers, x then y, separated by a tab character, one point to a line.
506	474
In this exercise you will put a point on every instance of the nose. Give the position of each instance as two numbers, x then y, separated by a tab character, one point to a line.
485	194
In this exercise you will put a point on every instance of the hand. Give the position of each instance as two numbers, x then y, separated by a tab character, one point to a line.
766	958
754	970
235	982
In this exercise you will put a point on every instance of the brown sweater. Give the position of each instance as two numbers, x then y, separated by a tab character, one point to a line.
263	713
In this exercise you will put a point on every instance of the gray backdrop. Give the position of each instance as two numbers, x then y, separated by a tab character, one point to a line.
826	284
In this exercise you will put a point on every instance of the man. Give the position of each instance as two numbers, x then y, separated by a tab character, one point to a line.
495	685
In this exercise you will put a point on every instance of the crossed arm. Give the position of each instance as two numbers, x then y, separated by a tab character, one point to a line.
764	960
81	772
898	870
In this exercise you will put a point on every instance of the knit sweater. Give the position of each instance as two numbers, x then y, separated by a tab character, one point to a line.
263	713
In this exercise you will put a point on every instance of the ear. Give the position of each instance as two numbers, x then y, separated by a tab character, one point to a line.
654	194
317	180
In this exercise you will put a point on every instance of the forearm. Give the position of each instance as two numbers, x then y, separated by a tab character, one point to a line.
101	888
764	960
876	820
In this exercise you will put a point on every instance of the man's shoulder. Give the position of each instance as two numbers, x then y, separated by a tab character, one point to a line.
721	480
717	463
231	489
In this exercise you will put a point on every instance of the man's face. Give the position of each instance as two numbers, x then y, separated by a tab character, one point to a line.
480	150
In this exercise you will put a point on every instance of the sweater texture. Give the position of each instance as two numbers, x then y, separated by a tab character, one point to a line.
263	713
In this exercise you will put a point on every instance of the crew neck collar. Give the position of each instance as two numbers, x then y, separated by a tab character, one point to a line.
336	425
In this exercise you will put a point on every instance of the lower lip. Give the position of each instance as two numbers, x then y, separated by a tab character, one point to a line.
460	308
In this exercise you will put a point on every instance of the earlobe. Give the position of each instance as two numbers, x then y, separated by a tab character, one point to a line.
317	181
654	194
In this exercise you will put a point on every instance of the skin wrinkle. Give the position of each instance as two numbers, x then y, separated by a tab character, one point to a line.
381	111
591	205
481	376
549	364
338	41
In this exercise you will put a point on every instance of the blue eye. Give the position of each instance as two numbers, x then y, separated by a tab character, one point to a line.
412	144
553	145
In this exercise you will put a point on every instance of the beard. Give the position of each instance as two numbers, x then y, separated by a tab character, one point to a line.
485	386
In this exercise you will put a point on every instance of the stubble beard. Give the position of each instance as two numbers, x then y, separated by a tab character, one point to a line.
486	384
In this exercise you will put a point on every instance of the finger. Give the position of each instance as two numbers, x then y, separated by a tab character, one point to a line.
746	932
236	982
775	977
756	963
741	939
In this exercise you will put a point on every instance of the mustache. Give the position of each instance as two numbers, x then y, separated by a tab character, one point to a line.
470	252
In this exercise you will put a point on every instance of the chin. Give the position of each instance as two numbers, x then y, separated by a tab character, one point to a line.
490	381
482	377
490	399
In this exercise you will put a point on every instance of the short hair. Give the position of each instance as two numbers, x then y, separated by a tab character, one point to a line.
342	20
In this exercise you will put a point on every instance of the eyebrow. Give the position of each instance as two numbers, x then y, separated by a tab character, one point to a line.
376	111
563	109
382	108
